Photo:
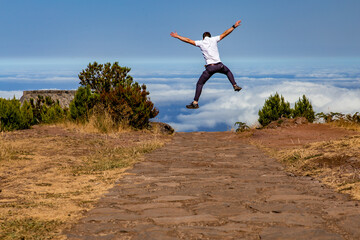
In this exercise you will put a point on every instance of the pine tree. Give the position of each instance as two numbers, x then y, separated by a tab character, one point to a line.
303	108
84	100
274	108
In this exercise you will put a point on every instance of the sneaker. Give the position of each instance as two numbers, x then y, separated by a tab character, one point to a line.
192	106
237	88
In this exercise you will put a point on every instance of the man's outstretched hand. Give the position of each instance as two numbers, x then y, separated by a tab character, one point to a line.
174	34
184	39
237	23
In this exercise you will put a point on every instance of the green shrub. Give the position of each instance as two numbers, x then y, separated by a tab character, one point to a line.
303	108
10	115
123	99
38	106
52	114
274	108
336	116
13	116
27	115
82	103
241	127
353	118
129	104
46	110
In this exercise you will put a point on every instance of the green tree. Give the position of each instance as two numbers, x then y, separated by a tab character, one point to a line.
274	108
303	108
124	99
105	77
82	103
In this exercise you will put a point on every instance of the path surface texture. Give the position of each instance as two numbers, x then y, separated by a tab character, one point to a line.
215	186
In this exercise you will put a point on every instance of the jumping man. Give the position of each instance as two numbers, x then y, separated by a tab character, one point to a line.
213	65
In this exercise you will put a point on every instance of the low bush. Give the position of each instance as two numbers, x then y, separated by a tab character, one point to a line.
355	118
336	116
27	116
14	116
47	110
347	121
241	127
53	114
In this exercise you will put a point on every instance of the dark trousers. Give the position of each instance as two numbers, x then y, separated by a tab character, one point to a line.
209	71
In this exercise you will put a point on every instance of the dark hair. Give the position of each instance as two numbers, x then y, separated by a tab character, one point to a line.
206	34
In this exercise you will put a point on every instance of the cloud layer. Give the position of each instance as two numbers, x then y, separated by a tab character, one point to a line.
11	94
227	107
331	86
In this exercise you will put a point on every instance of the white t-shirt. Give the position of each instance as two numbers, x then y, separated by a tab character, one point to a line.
209	49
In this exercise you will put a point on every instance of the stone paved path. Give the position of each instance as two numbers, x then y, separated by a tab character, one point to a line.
213	186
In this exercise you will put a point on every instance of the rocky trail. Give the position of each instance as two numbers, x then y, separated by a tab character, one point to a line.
217	186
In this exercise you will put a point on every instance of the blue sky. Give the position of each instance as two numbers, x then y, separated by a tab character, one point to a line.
140	29
291	47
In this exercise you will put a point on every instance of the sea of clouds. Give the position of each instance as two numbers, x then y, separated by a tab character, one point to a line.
332	86
225	107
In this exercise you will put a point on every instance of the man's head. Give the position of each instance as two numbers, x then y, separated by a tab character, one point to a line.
206	34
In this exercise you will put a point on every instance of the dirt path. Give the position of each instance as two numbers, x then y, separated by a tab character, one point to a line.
214	186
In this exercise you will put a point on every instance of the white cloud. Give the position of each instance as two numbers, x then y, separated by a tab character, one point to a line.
171	86
38	78
229	107
219	104
11	94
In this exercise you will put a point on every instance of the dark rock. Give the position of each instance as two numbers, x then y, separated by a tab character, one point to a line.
287	122
160	127
301	120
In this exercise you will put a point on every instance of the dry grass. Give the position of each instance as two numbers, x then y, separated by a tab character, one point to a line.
346	125
97	124
328	152
336	163
51	175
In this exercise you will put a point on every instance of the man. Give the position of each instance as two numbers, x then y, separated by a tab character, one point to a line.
213	65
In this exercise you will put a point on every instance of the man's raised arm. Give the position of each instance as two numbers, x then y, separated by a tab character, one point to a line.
227	32
184	39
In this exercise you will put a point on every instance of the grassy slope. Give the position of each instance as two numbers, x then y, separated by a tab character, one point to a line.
51	175
334	162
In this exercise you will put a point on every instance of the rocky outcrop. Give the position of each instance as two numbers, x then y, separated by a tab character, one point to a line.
63	96
287	122
160	127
